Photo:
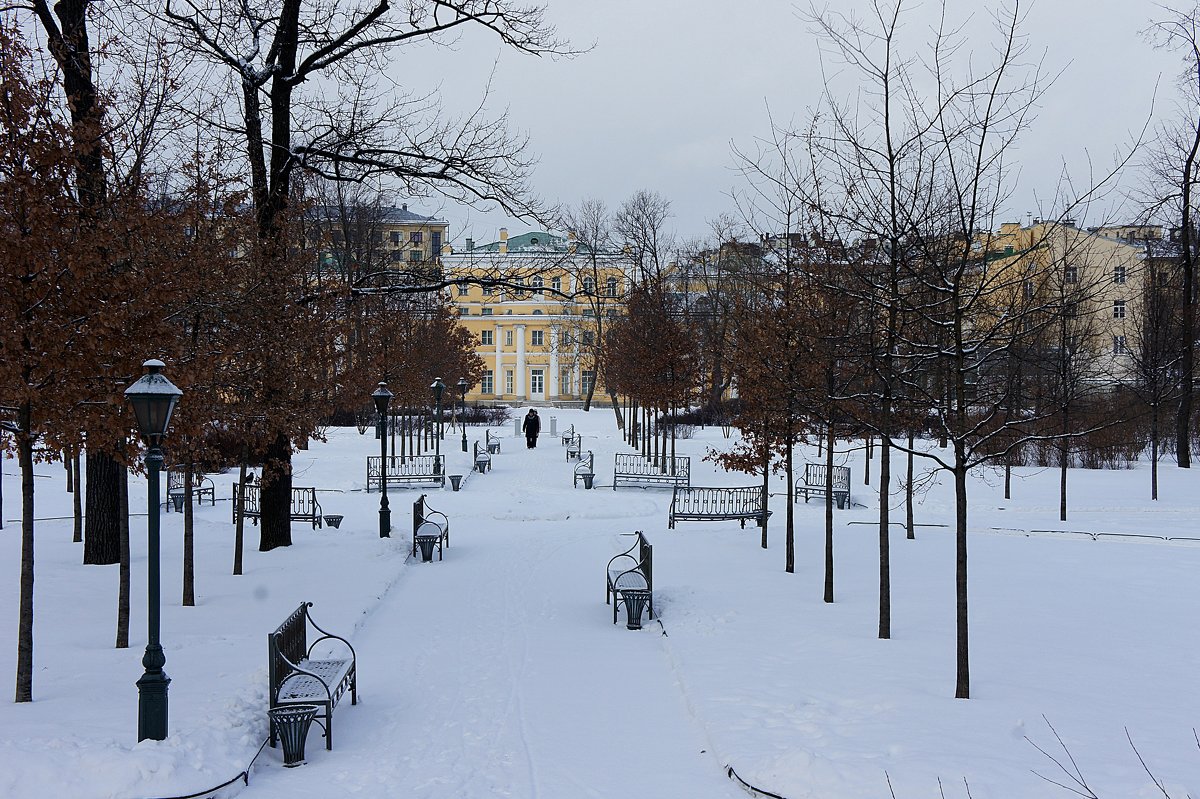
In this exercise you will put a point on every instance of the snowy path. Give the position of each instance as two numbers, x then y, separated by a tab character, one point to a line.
508	677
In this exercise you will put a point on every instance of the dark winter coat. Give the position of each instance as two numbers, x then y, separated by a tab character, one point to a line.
532	425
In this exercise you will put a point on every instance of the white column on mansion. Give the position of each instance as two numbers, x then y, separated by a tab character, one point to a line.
519	388
554	389
498	372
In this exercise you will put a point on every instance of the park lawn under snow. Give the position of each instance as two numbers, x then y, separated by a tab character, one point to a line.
498	671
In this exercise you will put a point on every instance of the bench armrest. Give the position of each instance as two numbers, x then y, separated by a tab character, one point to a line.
325	635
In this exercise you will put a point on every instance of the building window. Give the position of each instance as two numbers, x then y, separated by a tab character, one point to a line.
587	378
564	380
589	338
536	338
537	311
1118	309
1028	287
486	311
589	286
397	255
508	341
611	313
1118	345
610	286
395	237
485	338
487	384
537	285
556	283
508	381
537	381
1119	274
1071	274
415	237
435	245
463	289
414	256
588	312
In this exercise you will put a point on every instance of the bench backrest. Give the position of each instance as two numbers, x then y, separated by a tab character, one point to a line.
481	450
739	501
404	465
304	502
644	555
637	466
289	642
814	475
251	493
488	437
585	465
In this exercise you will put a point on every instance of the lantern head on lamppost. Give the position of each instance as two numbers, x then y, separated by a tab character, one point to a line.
462	391
153	398
383	398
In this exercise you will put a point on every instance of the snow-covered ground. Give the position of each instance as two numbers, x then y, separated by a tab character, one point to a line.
498	671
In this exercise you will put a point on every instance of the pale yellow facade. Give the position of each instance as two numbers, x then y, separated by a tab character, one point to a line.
536	328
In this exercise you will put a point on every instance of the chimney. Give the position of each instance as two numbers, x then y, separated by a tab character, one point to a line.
403	206
470	244
571	242
503	241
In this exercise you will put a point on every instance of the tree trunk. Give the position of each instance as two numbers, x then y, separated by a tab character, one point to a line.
275	526
885	552
1154	452
1064	457
962	688
102	522
616	406
123	578
240	525
189	561
867	463
829	442
789	557
24	691
76	501
909	526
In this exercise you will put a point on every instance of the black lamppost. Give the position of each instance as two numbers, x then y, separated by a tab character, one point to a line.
438	387
153	398
462	390
383	398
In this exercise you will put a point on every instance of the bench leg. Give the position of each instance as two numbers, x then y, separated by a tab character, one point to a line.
328	728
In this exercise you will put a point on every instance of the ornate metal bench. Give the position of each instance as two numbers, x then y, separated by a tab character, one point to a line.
483	461
430	528
406	469
636	470
201	487
585	470
717	504
492	442
296	678
574	446
567	435
630	579
813	483
304	506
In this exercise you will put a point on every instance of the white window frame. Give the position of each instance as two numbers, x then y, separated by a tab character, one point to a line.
537	338
486	339
1118	309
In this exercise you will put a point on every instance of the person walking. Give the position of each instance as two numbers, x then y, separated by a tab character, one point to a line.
531	427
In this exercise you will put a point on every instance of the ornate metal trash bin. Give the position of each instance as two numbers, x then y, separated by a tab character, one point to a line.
334	520
455	481
587	478
177	500
291	724
635	602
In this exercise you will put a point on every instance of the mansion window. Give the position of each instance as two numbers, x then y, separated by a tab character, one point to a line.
508	343
556	283
589	338
537	338
610	287
508	381
1119	274
1119	345
397	255
395	237
587	378
415	256
485	338
589	286
537	285
485	311
1071	274
1118	309
415	237
486	385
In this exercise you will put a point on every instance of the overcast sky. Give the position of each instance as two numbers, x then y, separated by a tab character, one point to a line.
670	85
